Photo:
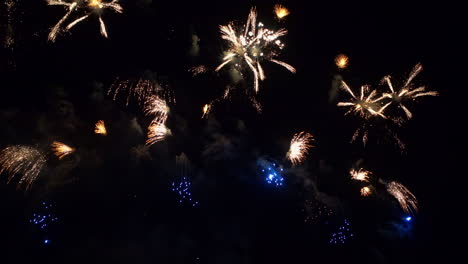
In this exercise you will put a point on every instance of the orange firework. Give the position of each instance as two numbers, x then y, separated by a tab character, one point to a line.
100	128
341	61
366	191
61	150
156	132
360	175
281	11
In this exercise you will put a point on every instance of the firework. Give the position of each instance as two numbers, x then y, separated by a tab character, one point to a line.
406	92
100	128
182	186
44	217
255	45
360	175
343	233
157	107
156	132
206	110
366	191
300	145
407	200
198	70
61	150
24	160
366	105
141	90
272	172
341	61
281	11
9	39
92	6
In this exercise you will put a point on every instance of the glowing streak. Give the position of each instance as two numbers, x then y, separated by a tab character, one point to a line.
285	65
206	110
103	28
100	128
61	150
407	200
72	24
56	29
22	159
157	107
281	11
299	148
365	106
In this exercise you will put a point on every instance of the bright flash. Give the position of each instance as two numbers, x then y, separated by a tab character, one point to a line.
281	11
61	150
366	191
341	61
206	110
300	145
100	128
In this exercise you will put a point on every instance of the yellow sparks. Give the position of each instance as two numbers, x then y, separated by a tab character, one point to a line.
360	175
100	128
407	200
341	61
300	145
156	132
206	110
281	11
61	150
366	105
366	191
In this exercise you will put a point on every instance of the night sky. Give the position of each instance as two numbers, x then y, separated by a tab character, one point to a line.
112	200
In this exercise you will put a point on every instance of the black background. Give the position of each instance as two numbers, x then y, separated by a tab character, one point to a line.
115	210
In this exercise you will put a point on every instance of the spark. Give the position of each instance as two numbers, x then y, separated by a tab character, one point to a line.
281	11
92	6
61	150
157	107
406	92
100	128
24	160
299	147
206	110
366	191
197	70
44	217
360	175
407	200
272	172
156	132
9	40
341	61
255	45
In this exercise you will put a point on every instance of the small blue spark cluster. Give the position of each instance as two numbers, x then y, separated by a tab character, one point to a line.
44	218
182	189
343	234
273	175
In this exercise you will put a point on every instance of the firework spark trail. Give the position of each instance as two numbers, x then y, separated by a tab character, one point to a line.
156	107
100	128
406	92
407	200
26	160
366	191
61	150
56	29
281	11
9	39
360	175
93	6
156	132
252	47
206	110
365	105
141	90
300	145
197	70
